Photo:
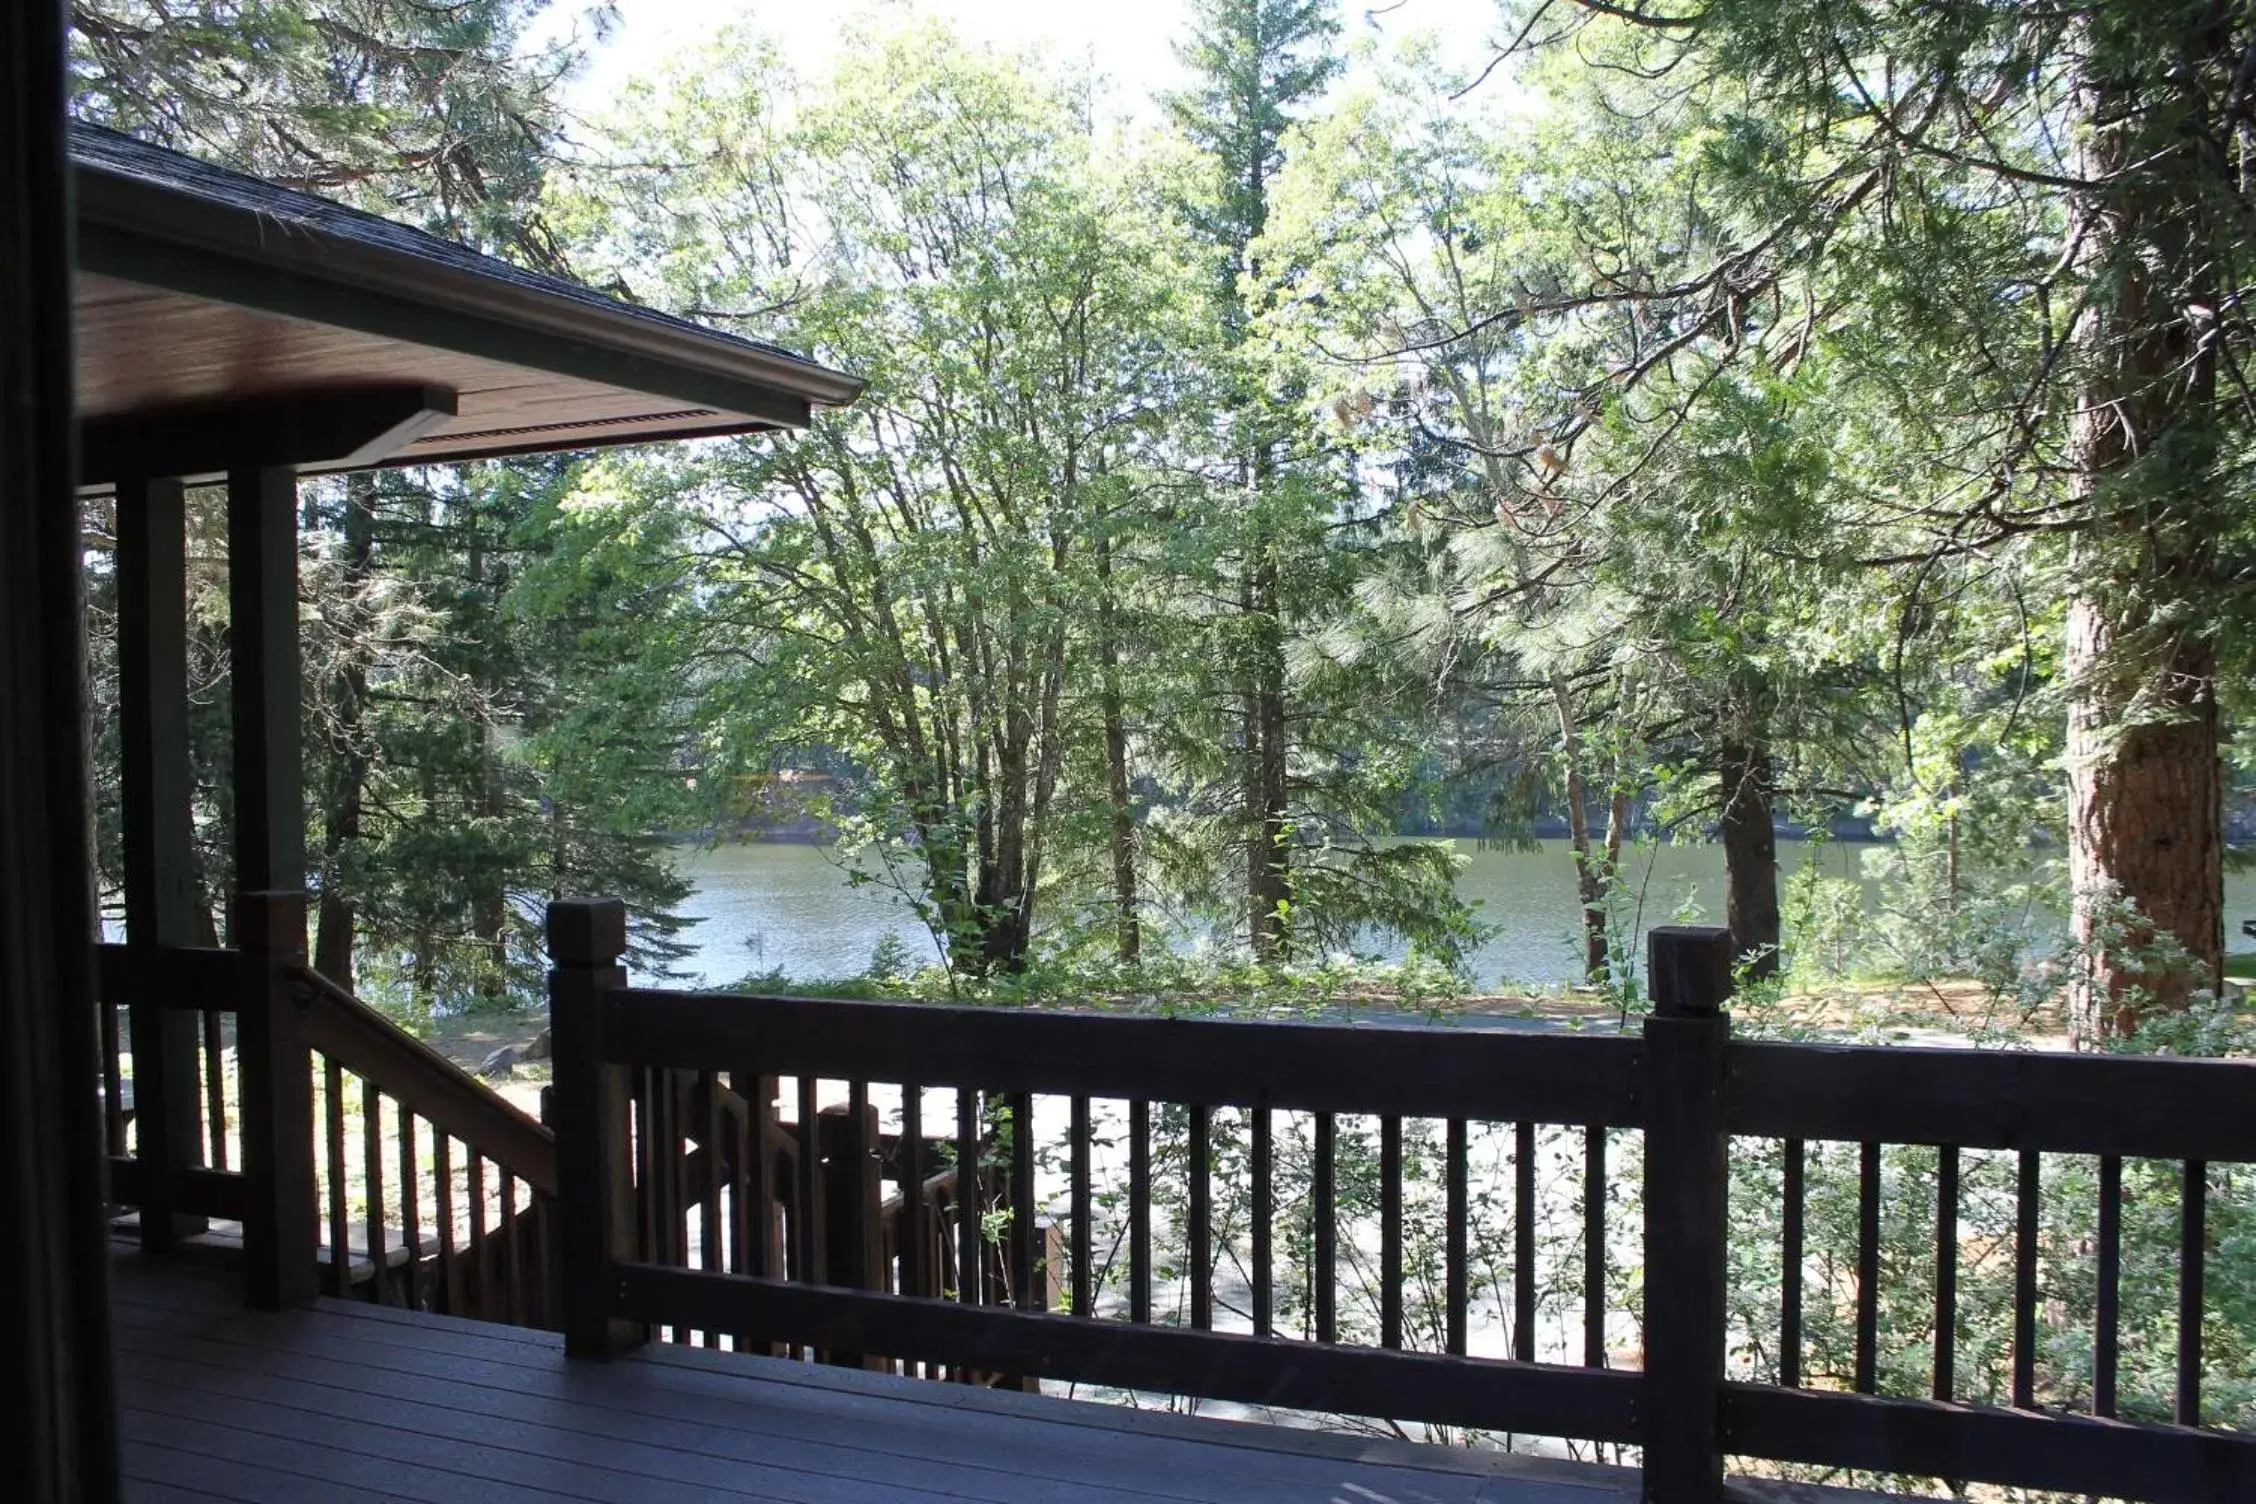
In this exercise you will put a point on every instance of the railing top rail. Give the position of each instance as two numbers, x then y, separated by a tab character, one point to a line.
172	976
1435	1071
431	1086
2134	1106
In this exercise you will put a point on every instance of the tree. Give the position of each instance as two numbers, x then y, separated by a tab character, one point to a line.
917	583
1255	61
2075	171
432	113
450	786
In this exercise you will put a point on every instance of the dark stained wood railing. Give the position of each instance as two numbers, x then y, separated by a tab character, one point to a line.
1684	1109
358	1161
438	1193
2027	1106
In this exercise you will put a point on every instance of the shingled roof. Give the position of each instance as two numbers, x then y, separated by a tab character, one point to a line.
200	287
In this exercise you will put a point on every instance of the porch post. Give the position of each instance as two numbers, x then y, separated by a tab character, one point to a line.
160	880
274	1074
54	1249
262	600
594	1147
1686	1038
281	1235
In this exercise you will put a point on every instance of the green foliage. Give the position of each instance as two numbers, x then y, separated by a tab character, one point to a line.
433	113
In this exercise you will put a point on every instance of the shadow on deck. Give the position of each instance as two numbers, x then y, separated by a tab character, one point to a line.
349	1402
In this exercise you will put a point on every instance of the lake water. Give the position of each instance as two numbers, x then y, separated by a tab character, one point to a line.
789	908
784	907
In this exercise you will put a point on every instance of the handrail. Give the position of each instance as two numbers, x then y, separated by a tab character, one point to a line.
1712	1109
173	976
2136	1107
1357	1068
431	1086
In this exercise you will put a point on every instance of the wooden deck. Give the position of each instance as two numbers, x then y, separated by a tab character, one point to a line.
349	1403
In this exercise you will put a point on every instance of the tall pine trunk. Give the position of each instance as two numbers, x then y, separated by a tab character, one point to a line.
2145	800
1750	851
1268	862
1590	877
1124	898
341	824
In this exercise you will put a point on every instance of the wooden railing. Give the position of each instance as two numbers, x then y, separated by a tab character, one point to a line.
437	1193
1512	1116
357	1160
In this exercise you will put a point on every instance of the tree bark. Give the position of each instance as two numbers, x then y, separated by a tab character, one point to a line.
1131	930
335	924
1750	853
1590	877
2145	798
1617	827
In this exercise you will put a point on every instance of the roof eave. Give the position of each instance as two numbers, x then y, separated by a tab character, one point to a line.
147	232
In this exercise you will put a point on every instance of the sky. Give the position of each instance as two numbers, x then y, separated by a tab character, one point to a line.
1129	42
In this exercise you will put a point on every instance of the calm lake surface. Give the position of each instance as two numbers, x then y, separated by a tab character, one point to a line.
783	907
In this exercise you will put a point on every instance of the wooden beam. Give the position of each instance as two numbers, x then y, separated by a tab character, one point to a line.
334	430
406	1069
281	1222
1483	1074
156	789
1996	1099
262	592
1541	1399
2069	1454
55	1366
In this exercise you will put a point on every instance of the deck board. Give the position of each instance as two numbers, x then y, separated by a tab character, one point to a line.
349	1403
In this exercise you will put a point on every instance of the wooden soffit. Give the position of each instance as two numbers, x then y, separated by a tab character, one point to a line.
201	291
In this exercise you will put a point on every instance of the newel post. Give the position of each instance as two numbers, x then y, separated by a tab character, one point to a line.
1686	1038
594	1147
274	1079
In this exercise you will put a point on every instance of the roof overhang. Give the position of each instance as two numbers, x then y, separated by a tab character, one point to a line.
203	295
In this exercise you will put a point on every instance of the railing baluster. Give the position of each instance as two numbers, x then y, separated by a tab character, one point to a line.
340	1243
809	1259
215	1088
1324	1208
512	1250
411	1212
1523	1241
1790	1260
1139	1212
1945	1380
113	1079
480	1247
759	1182
711	1254
448	1298
2193	1236
911	1280
544	1210
1594	1247
644	1090
673	1185
1457	1215
855	1264
2025	1283
743	1141
372	1176
2107	1319
1390	1231
1026	1277
969	1245
1084	1212
1197	1167
1262	1148
1868	1268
